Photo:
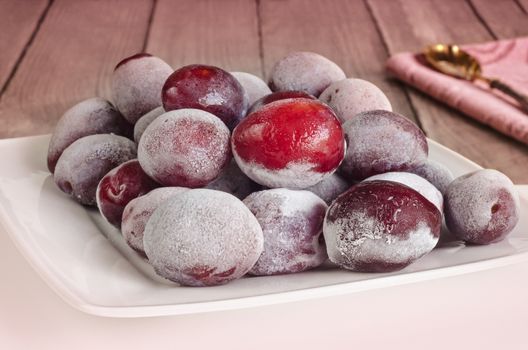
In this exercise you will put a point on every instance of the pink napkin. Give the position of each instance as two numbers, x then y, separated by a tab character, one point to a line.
506	60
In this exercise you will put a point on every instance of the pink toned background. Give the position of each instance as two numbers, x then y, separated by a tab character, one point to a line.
55	53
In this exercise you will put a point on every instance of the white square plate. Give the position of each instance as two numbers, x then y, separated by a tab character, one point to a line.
88	264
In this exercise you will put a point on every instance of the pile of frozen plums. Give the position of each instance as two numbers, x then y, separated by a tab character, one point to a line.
212	175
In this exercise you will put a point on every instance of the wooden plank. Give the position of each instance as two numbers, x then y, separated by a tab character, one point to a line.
221	33
505	18
343	31
71	58
18	21
409	25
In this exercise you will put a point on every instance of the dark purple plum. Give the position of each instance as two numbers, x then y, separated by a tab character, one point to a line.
122	184
380	226
207	88
89	117
138	211
304	71
136	84
379	142
186	147
202	238
482	207
86	161
292	224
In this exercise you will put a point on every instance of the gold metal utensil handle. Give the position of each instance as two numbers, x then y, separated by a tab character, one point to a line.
508	90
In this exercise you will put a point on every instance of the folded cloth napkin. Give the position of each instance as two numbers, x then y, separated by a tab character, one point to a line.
506	60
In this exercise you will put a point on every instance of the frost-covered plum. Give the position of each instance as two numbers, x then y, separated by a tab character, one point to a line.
304	71
138	211
233	180
89	117
254	86
292	223
417	183
482	207
136	84
380	226
379	142
207	88
292	143
437	174
202	238
84	163
145	121
122	184
276	96
186	147
329	188
350	97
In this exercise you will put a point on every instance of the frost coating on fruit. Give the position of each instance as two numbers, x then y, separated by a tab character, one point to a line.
137	83
437	174
253	85
84	163
118	187
138	211
292	143
304	71
292	223
202	237
89	117
349	97
329	188
380	226
379	142
482	207
232	180
145	121
208	88
417	183
186	147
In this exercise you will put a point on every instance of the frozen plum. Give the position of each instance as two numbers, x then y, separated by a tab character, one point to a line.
382	141
380	226
437	174
292	223
482	207
329	188
138	211
253	85
233	180
186	147
84	163
276	96
207	88
293	143
89	117
145	121
417	183
304	71
202	238
350	97
136	84
122	184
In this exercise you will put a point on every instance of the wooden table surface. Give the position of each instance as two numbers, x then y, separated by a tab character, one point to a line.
56	53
